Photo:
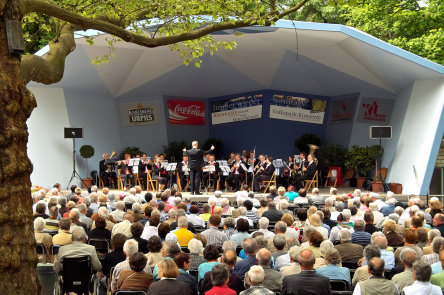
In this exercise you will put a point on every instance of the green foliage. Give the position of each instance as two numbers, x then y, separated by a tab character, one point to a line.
174	150
86	151
38	30
132	150
332	155
218	145
307	138
362	159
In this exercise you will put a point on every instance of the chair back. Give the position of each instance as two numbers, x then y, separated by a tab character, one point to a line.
54	249
130	292
185	249
40	249
238	250
350	265
101	245
128	206
339	285
76	274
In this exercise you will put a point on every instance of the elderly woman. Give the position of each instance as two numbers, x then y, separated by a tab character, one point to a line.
325	246
243	214
281	194
138	214
229	226
104	213
334	270
42	238
430	236
283	206
242	231
154	246
225	204
100	231
314	240
111	201
315	221
135	278
196	247
393	238
435	208
182	261
211	253
168	284
292	231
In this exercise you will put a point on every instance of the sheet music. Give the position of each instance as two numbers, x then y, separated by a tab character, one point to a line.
209	168
171	167
297	159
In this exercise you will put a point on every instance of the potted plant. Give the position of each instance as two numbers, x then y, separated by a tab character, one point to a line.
86	151
375	152
357	158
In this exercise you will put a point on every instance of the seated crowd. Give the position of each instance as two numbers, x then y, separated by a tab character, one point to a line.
165	243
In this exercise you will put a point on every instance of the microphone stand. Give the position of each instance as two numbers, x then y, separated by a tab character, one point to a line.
252	179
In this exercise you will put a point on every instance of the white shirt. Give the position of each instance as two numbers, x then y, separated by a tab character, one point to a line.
282	261
241	195
379	203
196	220
267	234
422	288
117	215
123	227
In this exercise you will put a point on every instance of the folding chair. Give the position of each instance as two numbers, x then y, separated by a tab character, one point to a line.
101	245
151	182
268	183
333	177
339	285
76	275
309	184
54	249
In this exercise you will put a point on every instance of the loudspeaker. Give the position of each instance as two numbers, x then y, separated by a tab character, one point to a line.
380	132
14	32
73	132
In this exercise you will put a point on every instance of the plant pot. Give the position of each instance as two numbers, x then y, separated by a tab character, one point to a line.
86	182
396	188
360	181
377	186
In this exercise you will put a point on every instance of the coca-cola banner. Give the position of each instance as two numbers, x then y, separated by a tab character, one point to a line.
139	113
186	112
237	109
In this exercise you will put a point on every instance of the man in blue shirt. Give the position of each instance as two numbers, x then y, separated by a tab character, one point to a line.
243	266
389	208
359	236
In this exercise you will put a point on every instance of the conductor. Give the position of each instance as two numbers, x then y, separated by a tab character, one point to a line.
196	162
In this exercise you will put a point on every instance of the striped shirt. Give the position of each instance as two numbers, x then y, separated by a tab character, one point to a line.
214	236
361	237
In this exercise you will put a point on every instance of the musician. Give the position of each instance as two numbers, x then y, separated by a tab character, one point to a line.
126	172
299	170
211	175
285	177
237	173
267	173
184	173
310	170
251	163
231	159
106	171
196	163
144	167
244	156
159	173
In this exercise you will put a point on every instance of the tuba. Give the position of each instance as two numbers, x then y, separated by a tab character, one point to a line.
313	149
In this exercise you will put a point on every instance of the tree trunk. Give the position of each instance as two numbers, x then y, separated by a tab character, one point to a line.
17	243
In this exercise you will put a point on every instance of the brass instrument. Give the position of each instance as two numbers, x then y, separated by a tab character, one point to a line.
260	169
313	149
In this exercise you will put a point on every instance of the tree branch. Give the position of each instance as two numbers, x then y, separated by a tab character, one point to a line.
50	69
48	8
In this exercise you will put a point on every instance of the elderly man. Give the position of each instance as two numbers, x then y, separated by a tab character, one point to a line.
349	252
212	234
306	282
339	207
273	278
52	223
279	228
437	243
77	248
130	248
180	212
235	282
389	208
124	227
359	236
316	198
405	278
64	237
119	212
83	218
376	199
438	278
74	215
438	223
250	249
131	198
343	223
263	228
421	274
272	213
168	251
377	284
377	216
183	234
256	279
387	256
294	267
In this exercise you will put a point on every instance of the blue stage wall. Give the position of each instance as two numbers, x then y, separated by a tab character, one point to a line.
270	136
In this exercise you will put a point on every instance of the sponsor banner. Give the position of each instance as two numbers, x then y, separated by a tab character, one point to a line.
186	112
237	109
375	110
342	109
139	113
294	108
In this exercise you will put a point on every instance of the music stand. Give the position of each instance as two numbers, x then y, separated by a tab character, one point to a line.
210	169
74	133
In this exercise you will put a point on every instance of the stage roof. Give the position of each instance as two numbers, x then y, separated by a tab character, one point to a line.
314	58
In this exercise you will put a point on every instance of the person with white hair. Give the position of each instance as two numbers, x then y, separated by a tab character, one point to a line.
293	267
217	197
339	207
343	223
119	212
42	238
131	198
183	234
77	248
124	227
349	252
196	249
430	236
226	208
111	204
104	213
376	198
316	198
333	269
389	207
263	224
130	248
243	214
255	278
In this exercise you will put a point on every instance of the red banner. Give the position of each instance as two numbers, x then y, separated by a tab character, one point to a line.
186	112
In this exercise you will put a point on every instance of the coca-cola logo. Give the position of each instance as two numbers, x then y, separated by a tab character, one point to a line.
187	110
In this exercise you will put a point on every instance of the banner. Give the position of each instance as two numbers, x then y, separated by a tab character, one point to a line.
342	109
139	113
237	109
375	110
300	109
186	112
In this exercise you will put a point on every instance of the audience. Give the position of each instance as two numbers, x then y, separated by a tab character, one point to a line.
182	261
168	251
272	213
154	246
405	278
220	276
64	236
349	252
135	278
136	232
212	234
42	238
333	269
250	248
211	254
362	273
183	234
168	282
242	232
124	227
377	284
100	231
196	248
422	285
256	279
438	278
